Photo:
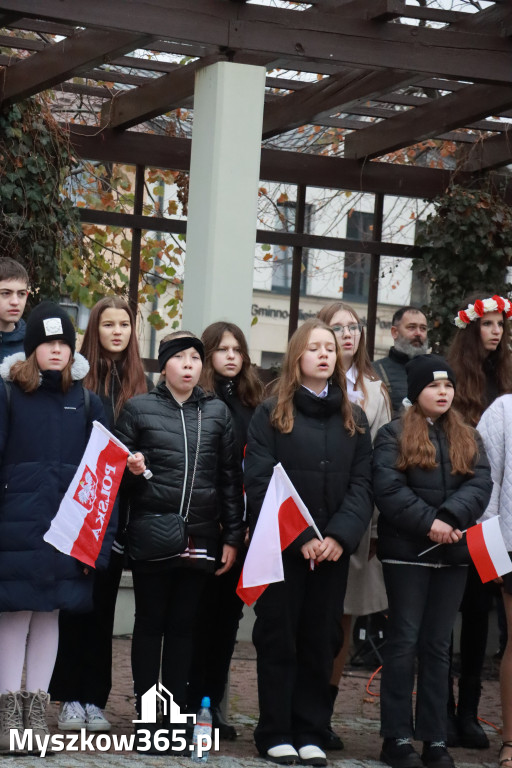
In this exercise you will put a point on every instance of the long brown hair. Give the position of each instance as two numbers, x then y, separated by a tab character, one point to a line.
417	450
250	389
290	381
467	356
361	360
27	375
129	367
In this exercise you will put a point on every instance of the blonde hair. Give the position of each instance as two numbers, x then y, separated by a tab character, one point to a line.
282	417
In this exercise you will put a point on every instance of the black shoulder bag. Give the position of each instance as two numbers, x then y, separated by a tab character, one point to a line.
162	536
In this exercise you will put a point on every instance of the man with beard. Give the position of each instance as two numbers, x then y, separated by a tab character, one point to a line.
409	332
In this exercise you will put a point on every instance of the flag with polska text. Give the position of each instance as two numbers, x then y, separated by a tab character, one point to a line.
79	527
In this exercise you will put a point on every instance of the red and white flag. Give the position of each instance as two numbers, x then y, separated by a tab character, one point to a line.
283	517
79	526
488	550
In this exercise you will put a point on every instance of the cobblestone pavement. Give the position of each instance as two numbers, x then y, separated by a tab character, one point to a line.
356	719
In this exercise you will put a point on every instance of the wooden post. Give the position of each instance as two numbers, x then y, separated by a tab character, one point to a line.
300	219
136	240
373	289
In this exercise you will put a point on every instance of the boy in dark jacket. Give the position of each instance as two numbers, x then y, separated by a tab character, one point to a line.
13	298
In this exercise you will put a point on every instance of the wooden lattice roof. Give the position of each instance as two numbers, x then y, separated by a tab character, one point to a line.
349	82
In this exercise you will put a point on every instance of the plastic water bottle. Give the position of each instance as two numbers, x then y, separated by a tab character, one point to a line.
202	736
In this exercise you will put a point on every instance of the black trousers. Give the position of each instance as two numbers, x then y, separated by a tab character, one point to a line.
83	669
475	607
221	611
423	604
166	619
297	634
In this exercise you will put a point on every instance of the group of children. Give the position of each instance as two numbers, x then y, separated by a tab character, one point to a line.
184	529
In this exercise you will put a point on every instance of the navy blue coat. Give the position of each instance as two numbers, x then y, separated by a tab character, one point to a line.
12	341
42	439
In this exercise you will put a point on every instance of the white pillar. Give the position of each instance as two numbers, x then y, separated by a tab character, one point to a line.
222	209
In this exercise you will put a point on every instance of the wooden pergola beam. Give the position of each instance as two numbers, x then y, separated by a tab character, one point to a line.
279	166
156	97
376	10
426	122
340	92
329	96
65	59
263	236
312	35
488	154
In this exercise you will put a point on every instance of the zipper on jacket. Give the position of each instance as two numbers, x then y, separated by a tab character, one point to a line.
186	459
437	431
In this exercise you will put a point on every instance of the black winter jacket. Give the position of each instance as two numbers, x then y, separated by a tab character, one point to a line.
42	439
330	470
391	370
410	501
166	433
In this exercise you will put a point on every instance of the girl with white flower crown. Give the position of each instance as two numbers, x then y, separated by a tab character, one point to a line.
481	358
480	353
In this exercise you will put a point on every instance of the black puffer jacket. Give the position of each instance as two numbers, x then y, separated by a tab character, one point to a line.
410	501
330	470
166	433
391	370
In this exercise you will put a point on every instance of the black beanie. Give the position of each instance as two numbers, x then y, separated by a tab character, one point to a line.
48	322
424	369
177	344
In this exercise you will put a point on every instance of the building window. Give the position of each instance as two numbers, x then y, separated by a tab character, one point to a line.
283	257
356	279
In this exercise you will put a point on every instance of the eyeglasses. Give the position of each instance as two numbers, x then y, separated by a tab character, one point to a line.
353	328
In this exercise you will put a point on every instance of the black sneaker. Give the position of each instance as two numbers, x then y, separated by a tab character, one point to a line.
435	755
399	753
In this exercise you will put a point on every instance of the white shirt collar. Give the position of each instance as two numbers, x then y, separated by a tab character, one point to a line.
323	393
353	394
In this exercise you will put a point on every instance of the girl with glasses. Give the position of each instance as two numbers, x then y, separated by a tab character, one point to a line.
365	587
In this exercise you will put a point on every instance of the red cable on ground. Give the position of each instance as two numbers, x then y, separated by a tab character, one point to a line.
487	722
370	681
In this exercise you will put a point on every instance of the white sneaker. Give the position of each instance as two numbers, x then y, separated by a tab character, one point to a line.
71	716
282	754
312	755
95	720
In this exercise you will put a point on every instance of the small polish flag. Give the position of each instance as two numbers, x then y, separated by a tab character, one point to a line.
283	517
79	527
488	550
